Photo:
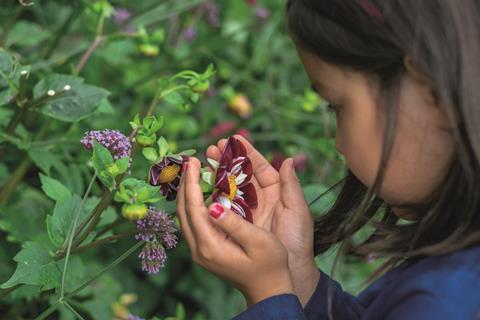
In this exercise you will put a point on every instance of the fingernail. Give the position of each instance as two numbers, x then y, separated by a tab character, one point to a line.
216	210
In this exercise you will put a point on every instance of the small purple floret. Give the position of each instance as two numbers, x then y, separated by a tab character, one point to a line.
113	140
158	231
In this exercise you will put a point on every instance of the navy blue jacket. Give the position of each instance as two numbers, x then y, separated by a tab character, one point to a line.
439	287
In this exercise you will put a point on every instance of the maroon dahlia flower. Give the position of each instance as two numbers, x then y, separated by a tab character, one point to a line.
167	174
233	188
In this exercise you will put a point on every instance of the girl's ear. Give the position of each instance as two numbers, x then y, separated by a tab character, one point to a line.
431	96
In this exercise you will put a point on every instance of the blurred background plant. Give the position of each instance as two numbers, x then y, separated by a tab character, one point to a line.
117	52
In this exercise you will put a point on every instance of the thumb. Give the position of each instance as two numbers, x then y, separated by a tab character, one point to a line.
240	230
291	190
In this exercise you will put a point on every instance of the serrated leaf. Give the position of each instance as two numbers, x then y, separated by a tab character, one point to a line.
54	189
58	224
79	102
43	158
34	267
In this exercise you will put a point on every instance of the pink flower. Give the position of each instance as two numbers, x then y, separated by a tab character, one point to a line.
222	129
244	133
300	161
233	188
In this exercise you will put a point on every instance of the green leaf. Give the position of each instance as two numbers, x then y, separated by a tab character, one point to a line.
174	98
101	159
54	189
34	267
123	164
150	154
188	152
106	107
6	62
136	122
77	103
58	224
43	158
26	34
163	147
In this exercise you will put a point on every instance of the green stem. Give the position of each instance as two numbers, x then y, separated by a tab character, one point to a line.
22	168
12	183
120	220
48	312
9	24
100	242
106	269
62	31
72	310
71	234
94	218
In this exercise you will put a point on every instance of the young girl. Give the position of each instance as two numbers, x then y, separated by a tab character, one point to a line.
402	76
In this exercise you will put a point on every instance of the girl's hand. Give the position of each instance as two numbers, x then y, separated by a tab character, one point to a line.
249	257
283	211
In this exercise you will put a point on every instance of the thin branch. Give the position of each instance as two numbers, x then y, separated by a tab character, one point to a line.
71	234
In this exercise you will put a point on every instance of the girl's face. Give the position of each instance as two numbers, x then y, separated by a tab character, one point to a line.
423	145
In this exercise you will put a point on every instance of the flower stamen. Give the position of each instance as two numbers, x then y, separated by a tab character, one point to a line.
169	173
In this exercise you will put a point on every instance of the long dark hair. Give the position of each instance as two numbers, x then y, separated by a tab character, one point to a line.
442	39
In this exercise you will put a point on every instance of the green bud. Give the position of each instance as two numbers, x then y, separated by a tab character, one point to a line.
146	140
134	211
201	87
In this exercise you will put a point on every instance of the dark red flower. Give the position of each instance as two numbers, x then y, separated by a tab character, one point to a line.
233	188
167	174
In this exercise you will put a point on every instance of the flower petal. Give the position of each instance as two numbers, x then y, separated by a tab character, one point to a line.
250	195
242	208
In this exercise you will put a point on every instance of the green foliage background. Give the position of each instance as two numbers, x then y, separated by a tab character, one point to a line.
121	65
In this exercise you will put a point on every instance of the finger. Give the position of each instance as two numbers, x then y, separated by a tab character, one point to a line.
245	234
197	213
213	152
291	191
182	216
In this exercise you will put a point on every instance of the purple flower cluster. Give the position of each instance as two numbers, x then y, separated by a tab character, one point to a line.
211	9
121	15
157	229
133	317
113	140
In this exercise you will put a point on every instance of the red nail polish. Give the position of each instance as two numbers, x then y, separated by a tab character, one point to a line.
216	210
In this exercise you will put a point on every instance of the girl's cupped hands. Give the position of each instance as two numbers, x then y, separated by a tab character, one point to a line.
247	255
282	211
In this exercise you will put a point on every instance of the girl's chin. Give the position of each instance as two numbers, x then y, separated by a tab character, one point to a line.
405	213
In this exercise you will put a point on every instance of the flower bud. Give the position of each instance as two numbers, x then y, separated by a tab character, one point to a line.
201	86
146	140
134	211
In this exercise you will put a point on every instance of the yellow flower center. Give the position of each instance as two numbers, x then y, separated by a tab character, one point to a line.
169	173
233	187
